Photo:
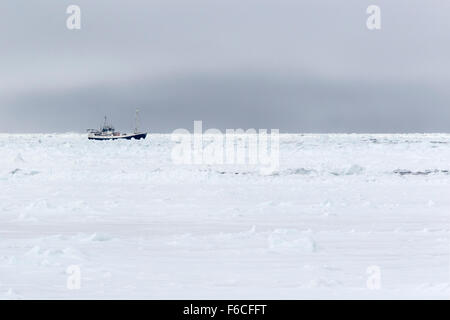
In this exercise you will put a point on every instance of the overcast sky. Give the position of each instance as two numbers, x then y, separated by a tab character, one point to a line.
295	65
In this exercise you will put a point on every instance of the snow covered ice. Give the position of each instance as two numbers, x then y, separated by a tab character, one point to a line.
139	226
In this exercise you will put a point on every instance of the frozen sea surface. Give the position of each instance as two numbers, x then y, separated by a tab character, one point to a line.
139	226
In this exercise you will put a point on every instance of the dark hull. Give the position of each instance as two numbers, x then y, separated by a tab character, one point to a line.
137	136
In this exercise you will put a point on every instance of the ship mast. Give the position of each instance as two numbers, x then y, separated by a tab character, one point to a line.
136	122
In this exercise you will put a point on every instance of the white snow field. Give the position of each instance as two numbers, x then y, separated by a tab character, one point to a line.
140	227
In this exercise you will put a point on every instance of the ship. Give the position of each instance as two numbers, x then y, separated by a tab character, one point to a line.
107	132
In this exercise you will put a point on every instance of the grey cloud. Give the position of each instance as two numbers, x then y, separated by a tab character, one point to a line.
239	100
301	66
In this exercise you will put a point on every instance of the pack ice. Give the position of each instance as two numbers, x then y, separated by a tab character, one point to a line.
344	216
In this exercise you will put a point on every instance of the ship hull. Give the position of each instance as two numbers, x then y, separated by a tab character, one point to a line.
137	136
